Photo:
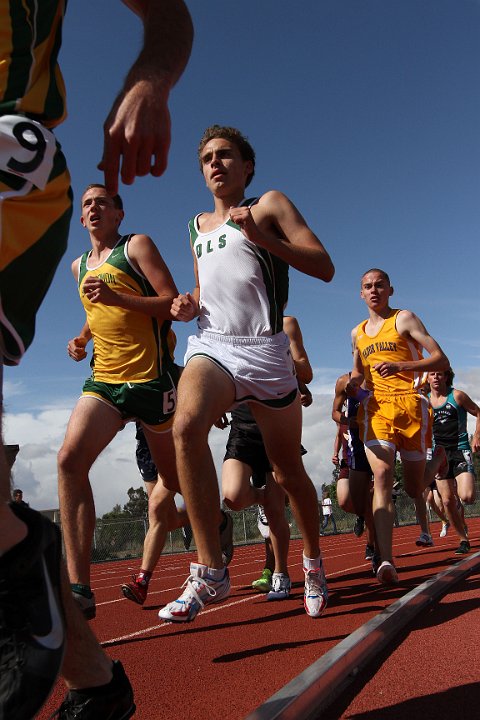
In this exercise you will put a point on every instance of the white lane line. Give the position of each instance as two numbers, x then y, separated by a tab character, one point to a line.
169	625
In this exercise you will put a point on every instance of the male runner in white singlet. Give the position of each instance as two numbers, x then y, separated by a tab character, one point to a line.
241	254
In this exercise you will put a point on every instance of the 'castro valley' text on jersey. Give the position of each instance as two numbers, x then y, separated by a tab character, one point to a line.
391	347
243	287
128	346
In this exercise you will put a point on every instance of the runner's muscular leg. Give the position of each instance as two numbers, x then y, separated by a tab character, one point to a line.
281	431
204	393
382	461
414	482
446	490
162	511
92	426
274	505
237	491
466	487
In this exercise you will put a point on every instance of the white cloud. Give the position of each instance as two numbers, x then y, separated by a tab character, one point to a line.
40	436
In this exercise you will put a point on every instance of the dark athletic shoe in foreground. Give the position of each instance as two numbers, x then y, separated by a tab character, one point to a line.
387	574
463	548
85	599
226	538
359	526
107	702
32	635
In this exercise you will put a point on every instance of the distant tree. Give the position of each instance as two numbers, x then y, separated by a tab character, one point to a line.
335	473
115	514
137	505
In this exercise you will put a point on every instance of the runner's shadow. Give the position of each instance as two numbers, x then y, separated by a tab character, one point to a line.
276	647
459	702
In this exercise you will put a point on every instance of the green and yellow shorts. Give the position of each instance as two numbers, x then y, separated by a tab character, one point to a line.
152	403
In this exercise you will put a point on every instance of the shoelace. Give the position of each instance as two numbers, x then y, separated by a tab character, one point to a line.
314	581
190	589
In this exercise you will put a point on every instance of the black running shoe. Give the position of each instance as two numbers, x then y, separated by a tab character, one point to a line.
187	536
463	548
369	552
107	702
32	633
376	562
226	538
359	526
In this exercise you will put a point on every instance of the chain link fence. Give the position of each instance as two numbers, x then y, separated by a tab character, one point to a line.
121	539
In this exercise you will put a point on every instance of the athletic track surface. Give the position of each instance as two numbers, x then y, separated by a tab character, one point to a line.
239	653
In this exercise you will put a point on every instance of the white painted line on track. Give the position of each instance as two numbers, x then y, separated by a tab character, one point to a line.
170	625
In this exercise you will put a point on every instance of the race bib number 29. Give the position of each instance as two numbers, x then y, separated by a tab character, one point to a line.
26	149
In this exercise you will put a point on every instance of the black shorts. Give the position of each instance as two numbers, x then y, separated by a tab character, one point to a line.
247	447
357	458
245	443
146	466
459	461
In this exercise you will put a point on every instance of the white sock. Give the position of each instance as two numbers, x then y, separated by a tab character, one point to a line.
312	563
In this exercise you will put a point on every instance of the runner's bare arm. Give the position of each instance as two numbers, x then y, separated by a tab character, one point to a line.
297	348
186	306
145	256
357	375
288	235
137	129
409	325
339	400
471	407
76	346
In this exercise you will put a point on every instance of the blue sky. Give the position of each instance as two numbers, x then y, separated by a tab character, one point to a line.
365	114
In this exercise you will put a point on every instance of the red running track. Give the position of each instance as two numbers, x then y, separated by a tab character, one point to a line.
237	654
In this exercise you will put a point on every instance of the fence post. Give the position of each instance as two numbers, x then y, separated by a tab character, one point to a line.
244	526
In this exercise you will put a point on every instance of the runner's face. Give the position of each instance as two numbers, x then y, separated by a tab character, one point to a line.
99	211
436	380
376	291
224	169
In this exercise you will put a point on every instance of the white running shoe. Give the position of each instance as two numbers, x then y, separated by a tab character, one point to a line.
386	574
200	590
444	530
425	540
262	523
281	587
315	597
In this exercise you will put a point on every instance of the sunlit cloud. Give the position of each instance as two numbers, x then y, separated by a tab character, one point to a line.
41	434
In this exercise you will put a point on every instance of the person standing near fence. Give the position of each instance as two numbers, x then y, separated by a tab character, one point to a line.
328	515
